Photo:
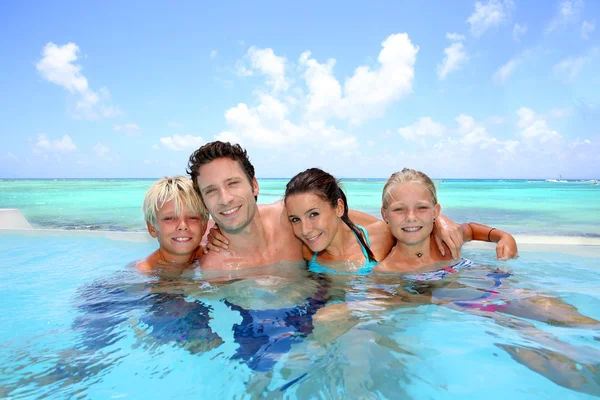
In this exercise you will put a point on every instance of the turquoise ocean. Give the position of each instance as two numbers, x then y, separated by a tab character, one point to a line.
537	207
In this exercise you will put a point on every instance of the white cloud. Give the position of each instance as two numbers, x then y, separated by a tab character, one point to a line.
489	15
518	32
213	54
455	56
473	133
424	127
368	92
578	142
568	68
557	113
267	63
101	150
267	126
568	13
495	120
181	143
44	143
534	127
58	66
129	129
586	29
506	70
455	37
241	69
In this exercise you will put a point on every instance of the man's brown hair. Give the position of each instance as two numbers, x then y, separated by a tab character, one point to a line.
215	150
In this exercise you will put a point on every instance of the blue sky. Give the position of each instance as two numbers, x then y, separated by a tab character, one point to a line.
493	89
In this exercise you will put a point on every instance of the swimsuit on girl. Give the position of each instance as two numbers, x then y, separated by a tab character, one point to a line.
441	273
488	301
315	267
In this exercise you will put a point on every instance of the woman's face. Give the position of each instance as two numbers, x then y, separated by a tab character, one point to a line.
410	213
313	219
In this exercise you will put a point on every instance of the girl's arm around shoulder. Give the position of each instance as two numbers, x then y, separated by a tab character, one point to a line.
362	218
506	245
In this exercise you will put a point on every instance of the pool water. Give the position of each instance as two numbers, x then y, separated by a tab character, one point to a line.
77	321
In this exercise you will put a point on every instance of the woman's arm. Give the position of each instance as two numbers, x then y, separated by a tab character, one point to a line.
506	245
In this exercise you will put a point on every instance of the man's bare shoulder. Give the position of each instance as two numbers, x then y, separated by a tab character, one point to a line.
276	207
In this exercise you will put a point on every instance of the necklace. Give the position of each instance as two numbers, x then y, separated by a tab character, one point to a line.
419	255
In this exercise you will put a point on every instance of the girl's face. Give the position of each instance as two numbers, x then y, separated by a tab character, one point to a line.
313	219
410	213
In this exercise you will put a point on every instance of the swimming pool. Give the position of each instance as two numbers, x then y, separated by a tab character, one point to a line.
77	322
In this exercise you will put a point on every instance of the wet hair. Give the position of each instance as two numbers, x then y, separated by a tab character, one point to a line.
325	186
215	150
178	189
407	175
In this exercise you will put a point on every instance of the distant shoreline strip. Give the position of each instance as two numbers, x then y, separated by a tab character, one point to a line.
13	222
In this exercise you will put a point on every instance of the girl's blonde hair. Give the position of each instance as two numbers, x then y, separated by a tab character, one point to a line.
177	189
407	175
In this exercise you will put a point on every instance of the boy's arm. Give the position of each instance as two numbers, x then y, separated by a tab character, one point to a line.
506	245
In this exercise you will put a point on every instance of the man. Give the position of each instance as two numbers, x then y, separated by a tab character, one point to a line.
257	235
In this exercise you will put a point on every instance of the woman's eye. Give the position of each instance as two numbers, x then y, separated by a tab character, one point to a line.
313	215
294	220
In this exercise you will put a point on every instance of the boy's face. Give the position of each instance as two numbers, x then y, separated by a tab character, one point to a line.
178	235
227	194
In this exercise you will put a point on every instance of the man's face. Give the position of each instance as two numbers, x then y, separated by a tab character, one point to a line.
227	194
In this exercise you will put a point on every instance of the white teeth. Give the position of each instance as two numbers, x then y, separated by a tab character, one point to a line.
230	211
411	229
312	239
182	239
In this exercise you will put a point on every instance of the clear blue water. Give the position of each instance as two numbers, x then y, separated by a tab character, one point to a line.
77	322
521	206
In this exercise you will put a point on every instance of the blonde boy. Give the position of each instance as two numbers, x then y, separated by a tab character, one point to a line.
175	215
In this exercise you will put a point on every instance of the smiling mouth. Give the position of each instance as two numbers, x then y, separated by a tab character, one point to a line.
313	239
182	239
230	211
411	229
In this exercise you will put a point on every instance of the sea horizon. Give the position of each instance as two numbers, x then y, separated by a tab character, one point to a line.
579	179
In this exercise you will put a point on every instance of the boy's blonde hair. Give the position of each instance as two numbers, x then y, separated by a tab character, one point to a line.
407	175
177	189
